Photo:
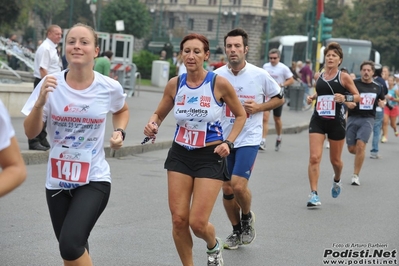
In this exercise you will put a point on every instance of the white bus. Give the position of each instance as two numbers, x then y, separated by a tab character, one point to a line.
355	52
285	44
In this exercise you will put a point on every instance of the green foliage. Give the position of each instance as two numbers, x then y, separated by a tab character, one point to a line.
76	11
47	10
143	61
289	20
9	11
135	15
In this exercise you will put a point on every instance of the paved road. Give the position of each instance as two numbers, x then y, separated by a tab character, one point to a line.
135	228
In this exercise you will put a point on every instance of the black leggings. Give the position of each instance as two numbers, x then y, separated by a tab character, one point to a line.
74	213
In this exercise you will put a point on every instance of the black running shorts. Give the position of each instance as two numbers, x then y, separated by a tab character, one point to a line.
197	163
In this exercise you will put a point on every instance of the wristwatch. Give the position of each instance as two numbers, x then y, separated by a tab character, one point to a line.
229	143
122	131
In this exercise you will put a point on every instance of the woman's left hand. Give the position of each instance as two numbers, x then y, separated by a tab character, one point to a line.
222	149
116	141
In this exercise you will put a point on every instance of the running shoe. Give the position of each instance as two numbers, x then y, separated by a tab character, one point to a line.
384	139
262	145
278	144
374	155
336	189
233	240
355	180
396	133
215	256
313	199
248	231
327	145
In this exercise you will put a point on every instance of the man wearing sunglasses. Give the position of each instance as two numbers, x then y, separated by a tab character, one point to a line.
284	77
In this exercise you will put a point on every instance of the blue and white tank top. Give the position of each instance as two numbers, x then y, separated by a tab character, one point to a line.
198	114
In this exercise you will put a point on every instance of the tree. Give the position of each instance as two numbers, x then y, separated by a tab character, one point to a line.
75	11
12	15
368	20
47	10
9	11
290	20
135	15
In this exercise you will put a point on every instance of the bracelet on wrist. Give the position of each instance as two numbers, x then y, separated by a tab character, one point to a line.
123	133
349	98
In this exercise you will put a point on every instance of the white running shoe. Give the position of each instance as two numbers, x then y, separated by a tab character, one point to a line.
355	180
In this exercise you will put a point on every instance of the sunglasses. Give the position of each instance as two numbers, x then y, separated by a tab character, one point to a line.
274	58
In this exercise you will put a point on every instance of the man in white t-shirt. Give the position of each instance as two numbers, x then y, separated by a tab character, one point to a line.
13	169
47	61
284	77
252	85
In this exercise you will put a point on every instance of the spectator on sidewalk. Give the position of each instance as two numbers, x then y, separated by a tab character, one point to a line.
103	63
47	61
307	80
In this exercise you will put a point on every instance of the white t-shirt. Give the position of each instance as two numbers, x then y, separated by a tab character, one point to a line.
279	72
76	127
182	68
47	57
251	83
6	128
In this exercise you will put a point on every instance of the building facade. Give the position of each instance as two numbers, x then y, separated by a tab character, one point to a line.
173	19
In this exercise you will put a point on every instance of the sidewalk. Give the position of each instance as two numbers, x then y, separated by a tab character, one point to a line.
141	107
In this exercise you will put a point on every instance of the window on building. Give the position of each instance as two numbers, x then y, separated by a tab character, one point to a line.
212	2
264	28
265	3
173	1
190	25
233	24
210	24
236	2
193	2
171	23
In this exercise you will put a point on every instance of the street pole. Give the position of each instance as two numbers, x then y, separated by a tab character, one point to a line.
311	33
70	13
160	20
99	3
320	13
218	24
269	20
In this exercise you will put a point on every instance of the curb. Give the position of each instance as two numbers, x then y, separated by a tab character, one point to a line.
41	157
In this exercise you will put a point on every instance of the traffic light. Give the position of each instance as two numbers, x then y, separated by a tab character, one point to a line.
326	27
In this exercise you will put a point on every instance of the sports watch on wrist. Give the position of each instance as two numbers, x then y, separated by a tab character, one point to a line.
122	132
229	143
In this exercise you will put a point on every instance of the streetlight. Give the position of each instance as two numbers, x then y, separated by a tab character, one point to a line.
269	19
70	13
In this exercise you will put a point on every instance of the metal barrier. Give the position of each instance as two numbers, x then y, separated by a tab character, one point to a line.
127	76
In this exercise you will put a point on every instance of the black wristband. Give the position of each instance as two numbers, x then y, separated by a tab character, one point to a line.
349	98
122	132
230	144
